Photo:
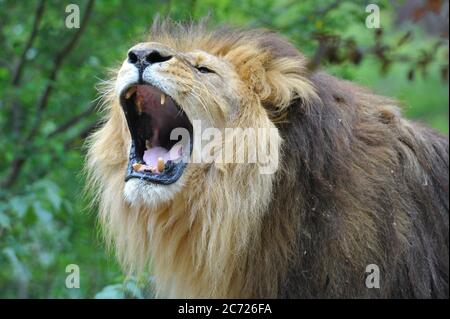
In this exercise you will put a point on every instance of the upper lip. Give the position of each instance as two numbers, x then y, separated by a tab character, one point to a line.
151	115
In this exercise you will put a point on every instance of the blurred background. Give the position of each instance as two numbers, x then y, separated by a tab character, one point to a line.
48	75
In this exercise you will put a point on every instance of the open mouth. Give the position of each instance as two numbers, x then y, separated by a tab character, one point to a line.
152	116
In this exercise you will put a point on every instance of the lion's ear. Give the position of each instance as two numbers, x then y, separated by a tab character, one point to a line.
285	73
277	81
284	80
249	62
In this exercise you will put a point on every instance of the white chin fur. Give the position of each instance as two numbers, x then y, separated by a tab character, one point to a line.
138	192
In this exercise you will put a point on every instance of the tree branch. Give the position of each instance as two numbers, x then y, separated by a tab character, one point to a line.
17	73
60	56
72	121
69	144
19	160
3	61
84	133
17	109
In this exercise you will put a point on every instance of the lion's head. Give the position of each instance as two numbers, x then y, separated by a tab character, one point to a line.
216	80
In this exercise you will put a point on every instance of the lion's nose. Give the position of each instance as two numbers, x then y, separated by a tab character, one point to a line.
142	58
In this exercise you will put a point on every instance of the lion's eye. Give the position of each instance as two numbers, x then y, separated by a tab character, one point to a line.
204	69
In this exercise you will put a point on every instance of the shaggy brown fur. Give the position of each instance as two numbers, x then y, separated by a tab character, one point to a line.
357	185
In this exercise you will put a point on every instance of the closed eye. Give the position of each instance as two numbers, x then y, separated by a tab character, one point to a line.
204	69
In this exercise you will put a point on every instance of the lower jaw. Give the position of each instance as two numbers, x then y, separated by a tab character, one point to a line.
171	174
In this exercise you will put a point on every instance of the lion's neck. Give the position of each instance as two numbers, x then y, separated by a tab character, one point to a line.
212	244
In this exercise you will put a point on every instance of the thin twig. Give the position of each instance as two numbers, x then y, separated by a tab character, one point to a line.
84	133
60	56
19	160
17	73
17	108
55	158
72	121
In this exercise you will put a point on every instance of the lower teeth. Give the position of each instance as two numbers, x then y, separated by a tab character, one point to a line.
160	165
140	168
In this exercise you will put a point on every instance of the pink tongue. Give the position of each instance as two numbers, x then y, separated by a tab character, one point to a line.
151	156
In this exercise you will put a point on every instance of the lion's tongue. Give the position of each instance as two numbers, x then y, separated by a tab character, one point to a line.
151	155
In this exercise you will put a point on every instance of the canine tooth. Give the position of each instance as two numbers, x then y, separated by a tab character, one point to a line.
130	92
139	100
137	167
160	164
163	99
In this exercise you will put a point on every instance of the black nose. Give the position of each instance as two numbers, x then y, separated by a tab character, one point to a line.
143	58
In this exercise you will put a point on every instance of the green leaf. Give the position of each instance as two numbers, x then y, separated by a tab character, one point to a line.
111	292
19	206
4	220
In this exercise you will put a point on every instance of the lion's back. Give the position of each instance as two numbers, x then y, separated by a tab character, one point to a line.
372	189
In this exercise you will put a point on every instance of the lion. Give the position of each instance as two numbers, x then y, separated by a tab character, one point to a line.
357	186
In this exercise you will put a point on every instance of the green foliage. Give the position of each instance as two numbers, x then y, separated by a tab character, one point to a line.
45	222
43	229
130	288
